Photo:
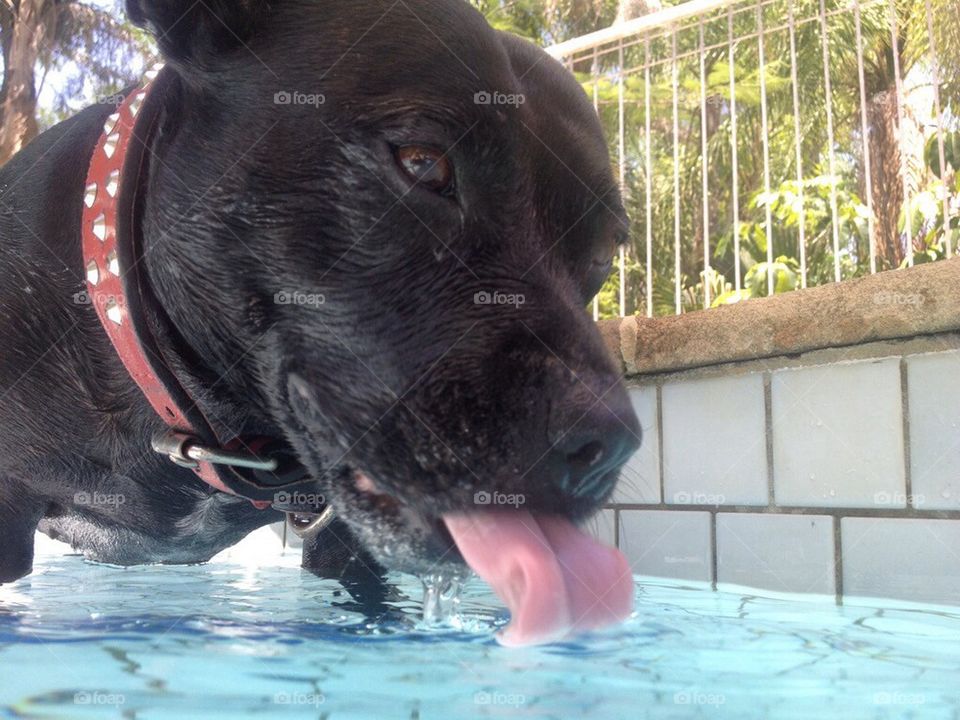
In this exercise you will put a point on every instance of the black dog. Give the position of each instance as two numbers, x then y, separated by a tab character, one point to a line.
443	187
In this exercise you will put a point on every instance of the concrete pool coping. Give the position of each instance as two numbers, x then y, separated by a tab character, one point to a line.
897	304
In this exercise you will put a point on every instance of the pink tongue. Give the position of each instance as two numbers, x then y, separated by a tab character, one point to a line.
554	578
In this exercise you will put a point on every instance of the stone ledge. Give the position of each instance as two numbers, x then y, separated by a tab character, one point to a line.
922	300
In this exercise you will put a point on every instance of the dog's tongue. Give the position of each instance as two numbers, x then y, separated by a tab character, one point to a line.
555	579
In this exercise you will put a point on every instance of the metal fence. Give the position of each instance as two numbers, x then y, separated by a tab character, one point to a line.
771	145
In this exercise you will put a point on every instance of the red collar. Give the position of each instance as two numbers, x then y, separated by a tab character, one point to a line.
129	313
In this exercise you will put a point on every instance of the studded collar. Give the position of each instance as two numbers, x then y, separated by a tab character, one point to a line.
259	469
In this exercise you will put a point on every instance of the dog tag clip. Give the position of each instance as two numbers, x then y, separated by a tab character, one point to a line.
184	450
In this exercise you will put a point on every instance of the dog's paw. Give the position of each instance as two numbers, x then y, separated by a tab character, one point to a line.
18	525
333	551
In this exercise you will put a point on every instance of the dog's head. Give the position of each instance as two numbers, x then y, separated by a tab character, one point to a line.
381	222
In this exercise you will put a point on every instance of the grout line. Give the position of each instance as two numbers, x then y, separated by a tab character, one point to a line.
616	528
838	559
892	513
768	429
905	412
713	550
660	462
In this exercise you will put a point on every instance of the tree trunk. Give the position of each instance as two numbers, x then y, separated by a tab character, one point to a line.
896	155
19	109
886	181
6	28
630	9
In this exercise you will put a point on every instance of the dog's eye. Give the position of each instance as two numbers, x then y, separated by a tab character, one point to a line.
427	166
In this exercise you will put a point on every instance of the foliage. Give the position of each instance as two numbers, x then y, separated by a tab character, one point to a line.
812	190
548	21
841	238
95	52
66	52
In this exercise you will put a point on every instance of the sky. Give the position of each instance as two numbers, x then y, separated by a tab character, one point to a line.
55	82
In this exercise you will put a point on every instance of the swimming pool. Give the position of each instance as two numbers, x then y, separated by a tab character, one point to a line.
81	640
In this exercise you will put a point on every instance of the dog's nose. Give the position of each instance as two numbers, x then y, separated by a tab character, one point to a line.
603	438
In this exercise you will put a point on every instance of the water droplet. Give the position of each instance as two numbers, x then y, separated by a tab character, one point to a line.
441	598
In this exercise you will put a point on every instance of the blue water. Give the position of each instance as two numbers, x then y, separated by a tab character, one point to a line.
79	640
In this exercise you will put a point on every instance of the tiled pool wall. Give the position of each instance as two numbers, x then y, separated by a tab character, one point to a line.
834	472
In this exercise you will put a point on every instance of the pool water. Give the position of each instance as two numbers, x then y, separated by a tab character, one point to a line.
223	640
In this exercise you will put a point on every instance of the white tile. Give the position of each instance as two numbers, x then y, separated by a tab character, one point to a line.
917	560
933	388
786	553
640	478
601	526
838	435
714	442
667	543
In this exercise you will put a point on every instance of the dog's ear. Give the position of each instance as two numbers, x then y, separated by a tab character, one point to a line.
188	30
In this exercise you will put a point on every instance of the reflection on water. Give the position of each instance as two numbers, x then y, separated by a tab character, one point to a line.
219	640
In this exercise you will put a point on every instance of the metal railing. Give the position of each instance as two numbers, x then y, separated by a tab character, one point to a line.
768	145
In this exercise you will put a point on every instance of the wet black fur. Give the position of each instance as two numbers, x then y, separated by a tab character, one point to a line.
399	373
